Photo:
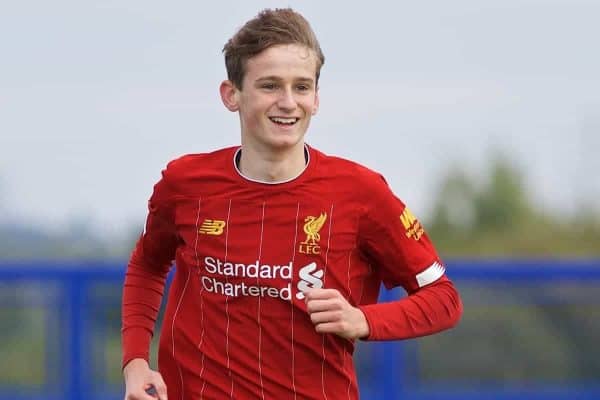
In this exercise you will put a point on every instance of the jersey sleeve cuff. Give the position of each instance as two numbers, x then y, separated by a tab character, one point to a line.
370	316
135	344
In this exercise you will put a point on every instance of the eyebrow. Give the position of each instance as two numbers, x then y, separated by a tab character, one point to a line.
278	79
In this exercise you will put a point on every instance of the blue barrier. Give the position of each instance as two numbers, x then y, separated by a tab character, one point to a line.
70	372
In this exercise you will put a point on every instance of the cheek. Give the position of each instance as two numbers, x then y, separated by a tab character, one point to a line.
309	105
255	108
250	112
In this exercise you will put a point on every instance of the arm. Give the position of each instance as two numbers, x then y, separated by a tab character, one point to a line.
432	309
394	239
143	291
396	244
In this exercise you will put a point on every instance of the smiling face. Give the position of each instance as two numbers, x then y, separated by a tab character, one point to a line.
277	99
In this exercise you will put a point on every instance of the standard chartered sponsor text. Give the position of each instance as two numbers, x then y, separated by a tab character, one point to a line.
215	284
216	266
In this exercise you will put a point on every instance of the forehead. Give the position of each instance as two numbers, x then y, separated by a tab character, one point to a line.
284	61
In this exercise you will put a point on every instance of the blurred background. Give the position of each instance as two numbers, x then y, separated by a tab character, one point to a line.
484	117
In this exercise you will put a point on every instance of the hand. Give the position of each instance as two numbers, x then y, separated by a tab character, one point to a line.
142	383
331	313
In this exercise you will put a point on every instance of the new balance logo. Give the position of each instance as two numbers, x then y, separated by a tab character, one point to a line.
311	278
212	227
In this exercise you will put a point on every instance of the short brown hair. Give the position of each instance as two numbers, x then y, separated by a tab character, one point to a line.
268	28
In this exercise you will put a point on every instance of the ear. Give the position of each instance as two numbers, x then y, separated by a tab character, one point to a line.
316	103
229	95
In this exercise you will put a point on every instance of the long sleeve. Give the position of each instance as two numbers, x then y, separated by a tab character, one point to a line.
395	242
431	309
146	274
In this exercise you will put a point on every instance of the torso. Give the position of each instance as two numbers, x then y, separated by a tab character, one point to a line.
236	324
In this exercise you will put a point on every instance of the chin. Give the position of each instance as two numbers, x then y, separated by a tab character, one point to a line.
285	143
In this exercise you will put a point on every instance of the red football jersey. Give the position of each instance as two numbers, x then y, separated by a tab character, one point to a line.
236	324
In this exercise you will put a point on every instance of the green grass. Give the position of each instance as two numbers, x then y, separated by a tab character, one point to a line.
22	345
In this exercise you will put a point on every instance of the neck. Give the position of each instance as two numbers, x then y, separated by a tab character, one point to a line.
270	166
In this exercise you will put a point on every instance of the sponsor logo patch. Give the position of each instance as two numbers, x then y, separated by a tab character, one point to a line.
257	279
310	278
413	227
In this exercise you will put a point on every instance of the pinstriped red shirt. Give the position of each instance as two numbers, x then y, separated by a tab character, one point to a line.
236	324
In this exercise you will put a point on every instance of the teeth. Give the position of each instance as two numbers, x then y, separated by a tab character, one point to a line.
284	120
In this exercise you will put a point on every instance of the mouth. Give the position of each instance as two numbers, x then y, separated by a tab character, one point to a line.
284	120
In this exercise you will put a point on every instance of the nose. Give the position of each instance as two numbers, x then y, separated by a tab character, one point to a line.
286	100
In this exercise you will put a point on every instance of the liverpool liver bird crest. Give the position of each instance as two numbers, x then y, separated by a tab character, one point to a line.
312	227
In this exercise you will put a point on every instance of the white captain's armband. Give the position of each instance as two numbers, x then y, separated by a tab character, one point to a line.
431	274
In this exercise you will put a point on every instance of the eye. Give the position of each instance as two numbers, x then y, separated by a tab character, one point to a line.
303	88
268	86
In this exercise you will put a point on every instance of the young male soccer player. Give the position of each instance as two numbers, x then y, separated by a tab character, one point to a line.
280	249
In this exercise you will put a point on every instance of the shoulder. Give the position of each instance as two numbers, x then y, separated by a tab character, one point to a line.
184	173
190	165
350	171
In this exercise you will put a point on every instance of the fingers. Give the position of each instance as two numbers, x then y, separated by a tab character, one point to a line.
330	312
157	388
161	387
325	316
151	392
321	294
326	310
139	395
319	300
150	386
338	327
313	306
